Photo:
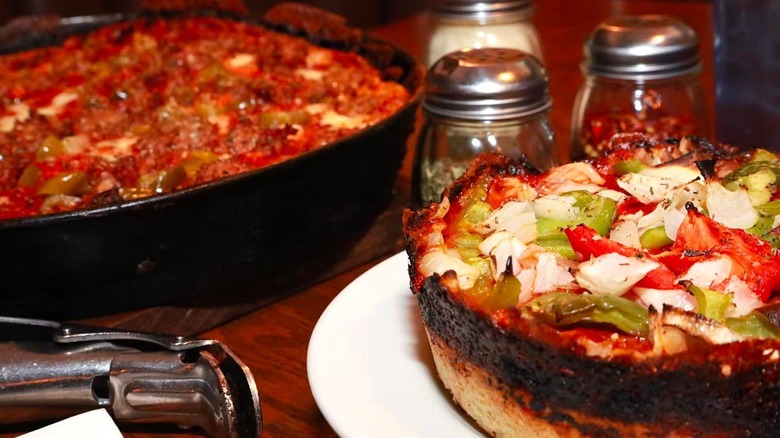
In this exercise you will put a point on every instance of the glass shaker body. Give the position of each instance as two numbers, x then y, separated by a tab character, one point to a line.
447	147
641	75
670	107
449	34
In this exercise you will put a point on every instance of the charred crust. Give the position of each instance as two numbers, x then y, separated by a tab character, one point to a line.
728	390
772	312
696	253
723	390
522	166
417	223
106	198
493	164
718	150
313	23
643	144
489	165
233	6
707	167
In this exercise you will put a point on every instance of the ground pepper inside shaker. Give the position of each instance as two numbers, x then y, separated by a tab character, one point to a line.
641	75
481	100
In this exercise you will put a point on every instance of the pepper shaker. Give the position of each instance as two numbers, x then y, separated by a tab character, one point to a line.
641	75
481	100
461	24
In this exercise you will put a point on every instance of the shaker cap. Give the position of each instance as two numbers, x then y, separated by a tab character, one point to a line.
481	9
642	47
487	84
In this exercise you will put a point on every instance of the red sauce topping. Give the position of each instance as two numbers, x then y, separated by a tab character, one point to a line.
149	106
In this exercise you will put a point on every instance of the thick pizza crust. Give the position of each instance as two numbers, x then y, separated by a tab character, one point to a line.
518	376
489	404
518	385
479	395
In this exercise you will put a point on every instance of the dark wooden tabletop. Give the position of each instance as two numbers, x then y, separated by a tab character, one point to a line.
273	339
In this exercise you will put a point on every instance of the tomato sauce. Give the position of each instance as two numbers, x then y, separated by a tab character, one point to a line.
154	105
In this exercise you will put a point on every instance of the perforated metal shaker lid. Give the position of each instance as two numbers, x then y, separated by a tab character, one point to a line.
481	10
642	47
487	84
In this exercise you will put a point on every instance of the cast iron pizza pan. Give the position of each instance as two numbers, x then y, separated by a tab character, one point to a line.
239	238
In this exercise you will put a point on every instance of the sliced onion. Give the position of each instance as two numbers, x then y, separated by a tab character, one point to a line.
648	189
550	275
743	299
570	177
613	273
556	207
657	298
695	193
626	233
732	209
516	217
439	262
502	247
709	273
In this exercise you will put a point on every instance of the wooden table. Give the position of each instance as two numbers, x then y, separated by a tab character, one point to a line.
273	340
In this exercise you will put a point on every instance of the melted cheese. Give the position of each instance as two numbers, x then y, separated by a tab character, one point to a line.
58	104
20	113
339	121
114	149
310	74
241	60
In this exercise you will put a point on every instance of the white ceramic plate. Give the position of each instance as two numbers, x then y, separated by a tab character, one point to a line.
370	368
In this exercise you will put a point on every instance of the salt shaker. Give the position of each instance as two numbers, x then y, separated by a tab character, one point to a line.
460	24
641	75
481	100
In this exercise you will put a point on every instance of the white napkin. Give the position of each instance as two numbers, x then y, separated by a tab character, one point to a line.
92	424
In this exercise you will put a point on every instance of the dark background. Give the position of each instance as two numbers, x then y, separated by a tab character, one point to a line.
359	13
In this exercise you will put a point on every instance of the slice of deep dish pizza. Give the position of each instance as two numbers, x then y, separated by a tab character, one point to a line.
630	295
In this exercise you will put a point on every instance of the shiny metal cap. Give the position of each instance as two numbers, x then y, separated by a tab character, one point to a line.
487	84
482	10
642	47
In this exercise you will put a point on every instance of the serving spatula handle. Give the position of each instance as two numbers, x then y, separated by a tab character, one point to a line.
137	377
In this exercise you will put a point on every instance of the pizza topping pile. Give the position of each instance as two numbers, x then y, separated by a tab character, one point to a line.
629	244
149	106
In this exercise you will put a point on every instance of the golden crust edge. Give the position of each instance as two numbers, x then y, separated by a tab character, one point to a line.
474	390
496	413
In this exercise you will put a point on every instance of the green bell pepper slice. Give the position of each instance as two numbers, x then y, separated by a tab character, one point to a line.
655	238
597	212
628	166
562	309
65	183
505	295
711	303
753	325
771	208
560	246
